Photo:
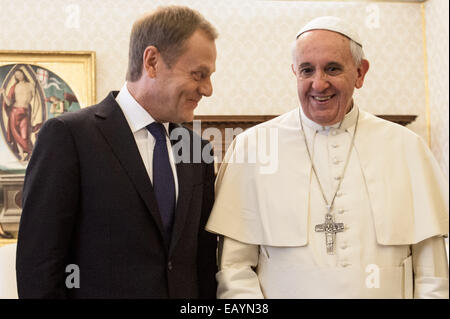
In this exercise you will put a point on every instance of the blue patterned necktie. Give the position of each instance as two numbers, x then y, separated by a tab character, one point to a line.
163	181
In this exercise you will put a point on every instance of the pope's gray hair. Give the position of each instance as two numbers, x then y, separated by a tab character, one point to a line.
357	52
355	49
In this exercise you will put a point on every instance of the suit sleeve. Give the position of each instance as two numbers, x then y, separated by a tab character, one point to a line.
207	242
50	205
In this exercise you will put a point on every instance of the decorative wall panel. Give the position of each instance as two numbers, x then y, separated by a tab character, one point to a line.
254	50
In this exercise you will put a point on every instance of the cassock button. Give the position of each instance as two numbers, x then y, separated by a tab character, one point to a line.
169	265
334	132
334	145
341	211
336	161
337	178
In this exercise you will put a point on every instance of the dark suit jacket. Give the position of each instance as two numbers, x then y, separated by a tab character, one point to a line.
88	201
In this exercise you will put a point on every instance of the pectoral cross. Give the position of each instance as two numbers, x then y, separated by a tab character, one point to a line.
330	228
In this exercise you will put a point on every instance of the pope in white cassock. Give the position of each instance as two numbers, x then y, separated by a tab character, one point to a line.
357	206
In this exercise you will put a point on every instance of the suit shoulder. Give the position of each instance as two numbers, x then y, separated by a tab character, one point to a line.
103	109
79	115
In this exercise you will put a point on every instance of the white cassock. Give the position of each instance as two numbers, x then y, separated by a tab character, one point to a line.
393	201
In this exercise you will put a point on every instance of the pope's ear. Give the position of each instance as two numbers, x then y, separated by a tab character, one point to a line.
293	69
362	70
149	60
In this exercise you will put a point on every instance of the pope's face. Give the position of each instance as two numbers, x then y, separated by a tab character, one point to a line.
180	87
326	75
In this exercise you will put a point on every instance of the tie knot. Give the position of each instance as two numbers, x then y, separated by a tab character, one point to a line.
157	130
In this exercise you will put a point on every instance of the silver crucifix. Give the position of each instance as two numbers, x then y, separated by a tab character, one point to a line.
330	228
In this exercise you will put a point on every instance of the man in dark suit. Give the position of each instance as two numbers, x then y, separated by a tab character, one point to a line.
115	202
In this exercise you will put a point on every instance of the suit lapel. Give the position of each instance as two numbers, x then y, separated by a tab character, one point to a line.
114	127
185	177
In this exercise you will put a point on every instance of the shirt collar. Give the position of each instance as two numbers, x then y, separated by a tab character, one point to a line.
136	116
348	121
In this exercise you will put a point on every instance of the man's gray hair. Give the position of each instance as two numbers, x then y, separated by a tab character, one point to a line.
166	28
357	52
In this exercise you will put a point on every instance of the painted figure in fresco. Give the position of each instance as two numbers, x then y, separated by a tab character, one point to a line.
59	106
28	97
17	103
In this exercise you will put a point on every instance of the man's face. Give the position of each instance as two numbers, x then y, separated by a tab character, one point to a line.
178	89
326	75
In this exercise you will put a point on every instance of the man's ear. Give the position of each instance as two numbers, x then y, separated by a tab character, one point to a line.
150	59
362	70
293	69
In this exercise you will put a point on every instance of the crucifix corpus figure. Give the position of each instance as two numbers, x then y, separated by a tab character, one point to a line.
330	228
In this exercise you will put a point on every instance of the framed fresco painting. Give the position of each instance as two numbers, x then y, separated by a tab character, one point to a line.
36	86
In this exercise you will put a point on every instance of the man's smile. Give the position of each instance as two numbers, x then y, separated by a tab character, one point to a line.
323	98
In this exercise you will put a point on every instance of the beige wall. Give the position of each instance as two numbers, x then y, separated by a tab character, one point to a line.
253	67
437	33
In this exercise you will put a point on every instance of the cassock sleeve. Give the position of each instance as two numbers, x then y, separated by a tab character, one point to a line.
430	269
236	277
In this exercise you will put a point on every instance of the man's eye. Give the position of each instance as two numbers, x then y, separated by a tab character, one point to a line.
197	75
333	70
306	71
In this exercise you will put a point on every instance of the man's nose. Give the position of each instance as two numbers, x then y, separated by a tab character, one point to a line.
320	82
205	87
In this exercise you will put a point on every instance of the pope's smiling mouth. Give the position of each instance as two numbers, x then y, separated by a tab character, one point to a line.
322	98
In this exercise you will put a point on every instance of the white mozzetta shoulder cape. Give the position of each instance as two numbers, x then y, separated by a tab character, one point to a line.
259	204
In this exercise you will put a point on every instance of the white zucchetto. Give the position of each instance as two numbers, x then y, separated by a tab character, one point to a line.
332	24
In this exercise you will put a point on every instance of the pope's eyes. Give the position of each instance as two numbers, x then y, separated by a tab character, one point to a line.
333	69
306	71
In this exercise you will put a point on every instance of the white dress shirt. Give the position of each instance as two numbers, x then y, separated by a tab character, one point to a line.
138	118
